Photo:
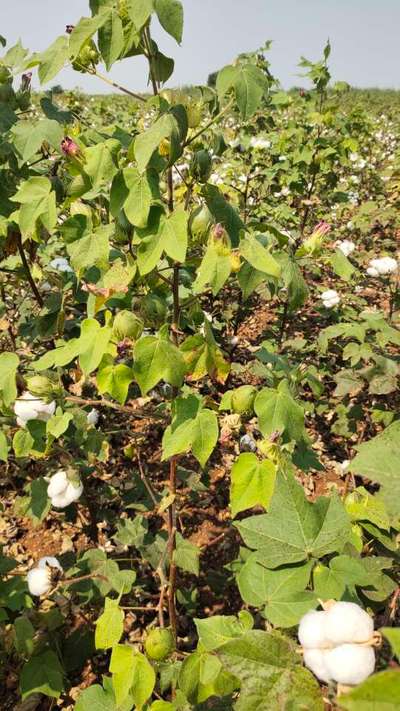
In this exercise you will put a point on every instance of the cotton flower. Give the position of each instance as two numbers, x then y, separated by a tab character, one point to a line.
93	417
30	407
330	298
61	264
62	491
382	266
40	578
346	246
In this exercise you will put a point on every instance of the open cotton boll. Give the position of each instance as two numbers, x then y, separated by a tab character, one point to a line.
330	298
312	630
61	264
39	581
58	483
349	664
348	622
382	266
93	417
62	491
31	407
346	246
315	660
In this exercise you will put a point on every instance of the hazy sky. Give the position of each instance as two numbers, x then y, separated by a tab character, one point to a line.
364	36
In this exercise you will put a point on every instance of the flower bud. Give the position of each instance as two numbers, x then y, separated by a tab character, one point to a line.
243	399
200	222
69	147
164	147
69	29
221	241
235	261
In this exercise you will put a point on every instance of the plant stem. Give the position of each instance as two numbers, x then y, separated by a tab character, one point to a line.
171	544
28	271
110	82
113	405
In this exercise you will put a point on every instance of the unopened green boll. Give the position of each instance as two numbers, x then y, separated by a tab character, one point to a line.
201	166
200	222
41	386
127	325
159	644
153	310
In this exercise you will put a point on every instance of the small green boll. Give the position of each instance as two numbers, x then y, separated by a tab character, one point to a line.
159	644
127	325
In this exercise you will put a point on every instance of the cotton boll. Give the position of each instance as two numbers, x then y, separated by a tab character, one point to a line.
315	660
247	444
348	622
93	417
312	630
31	407
58	484
62	491
350	664
61	264
330	298
346	247
372	272
39	581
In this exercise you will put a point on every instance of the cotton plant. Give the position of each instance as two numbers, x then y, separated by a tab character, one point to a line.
338	643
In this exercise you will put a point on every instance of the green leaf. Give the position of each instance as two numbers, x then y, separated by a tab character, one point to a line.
260	586
140	190
191	428
92	344
52	60
259	257
58	424
363	506
110	625
111	39
42	674
157	358
381	692
91	250
9	363
139	12
215	631
277	411
252	483
393	635
295	529
85	29
378	460
29	137
343	571
37	201
223	212
115	380
22	443
270	673
147	143
250	84
289	608
186	555
214	270
174	235
342	266
3	447
170	15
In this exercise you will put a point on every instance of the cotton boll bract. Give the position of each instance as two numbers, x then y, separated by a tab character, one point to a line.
312	630
350	664
315	660
348	622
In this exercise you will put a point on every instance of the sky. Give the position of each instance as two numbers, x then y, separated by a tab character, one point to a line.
363	34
